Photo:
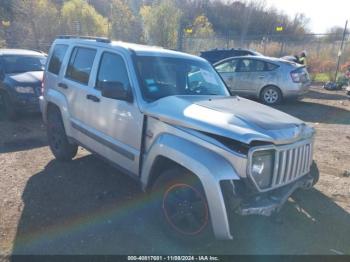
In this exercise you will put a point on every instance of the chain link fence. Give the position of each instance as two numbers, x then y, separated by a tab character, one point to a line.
271	45
322	49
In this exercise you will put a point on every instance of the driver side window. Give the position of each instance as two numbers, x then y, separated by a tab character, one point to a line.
112	69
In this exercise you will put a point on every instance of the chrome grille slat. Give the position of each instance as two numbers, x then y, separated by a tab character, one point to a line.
295	160
276	173
279	174
303	167
307	165
291	163
300	160
283	166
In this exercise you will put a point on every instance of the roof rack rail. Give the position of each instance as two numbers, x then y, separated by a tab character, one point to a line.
97	39
38	50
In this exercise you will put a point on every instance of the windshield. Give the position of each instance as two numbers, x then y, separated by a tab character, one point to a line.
21	63
161	77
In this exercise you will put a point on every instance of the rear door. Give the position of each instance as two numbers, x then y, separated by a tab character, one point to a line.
75	83
54	67
251	76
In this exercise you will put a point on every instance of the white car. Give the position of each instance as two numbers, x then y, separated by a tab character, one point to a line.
266	78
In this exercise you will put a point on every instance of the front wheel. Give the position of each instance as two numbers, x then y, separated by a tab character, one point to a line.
8	107
271	95
315	173
57	138
182	207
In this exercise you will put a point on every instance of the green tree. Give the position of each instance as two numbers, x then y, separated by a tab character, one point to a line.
78	17
5	16
202	27
124	25
37	20
161	23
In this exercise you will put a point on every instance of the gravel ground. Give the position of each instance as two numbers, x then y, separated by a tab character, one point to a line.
88	207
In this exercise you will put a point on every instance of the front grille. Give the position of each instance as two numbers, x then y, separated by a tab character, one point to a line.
291	164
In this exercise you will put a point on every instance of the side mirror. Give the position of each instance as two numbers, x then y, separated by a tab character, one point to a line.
115	90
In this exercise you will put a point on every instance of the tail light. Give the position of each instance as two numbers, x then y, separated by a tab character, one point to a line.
296	77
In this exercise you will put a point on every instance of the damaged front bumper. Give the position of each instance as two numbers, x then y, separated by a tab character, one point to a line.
264	204
268	203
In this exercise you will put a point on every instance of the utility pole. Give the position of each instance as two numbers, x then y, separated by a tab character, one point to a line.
341	50
110	21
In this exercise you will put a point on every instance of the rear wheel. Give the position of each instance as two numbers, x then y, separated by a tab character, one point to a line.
271	95
57	138
182	206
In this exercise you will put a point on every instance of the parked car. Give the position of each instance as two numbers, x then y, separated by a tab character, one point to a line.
203	154
266	78
21	74
215	55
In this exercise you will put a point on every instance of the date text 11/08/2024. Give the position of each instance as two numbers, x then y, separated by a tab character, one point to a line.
173	258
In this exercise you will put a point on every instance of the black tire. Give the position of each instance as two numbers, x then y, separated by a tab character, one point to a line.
271	95
57	138
8	107
314	172
181	206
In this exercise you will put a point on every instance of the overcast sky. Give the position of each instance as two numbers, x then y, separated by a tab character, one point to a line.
323	13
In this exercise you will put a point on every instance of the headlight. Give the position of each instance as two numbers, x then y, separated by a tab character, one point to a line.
262	167
24	89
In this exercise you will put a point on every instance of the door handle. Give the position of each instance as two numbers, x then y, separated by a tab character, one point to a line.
93	98
62	85
261	76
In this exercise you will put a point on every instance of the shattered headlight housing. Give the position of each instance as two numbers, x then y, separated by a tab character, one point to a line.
262	167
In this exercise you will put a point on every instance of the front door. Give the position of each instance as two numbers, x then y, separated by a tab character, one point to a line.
118	124
227	70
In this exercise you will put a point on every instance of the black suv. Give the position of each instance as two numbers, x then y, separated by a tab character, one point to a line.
21	74
216	55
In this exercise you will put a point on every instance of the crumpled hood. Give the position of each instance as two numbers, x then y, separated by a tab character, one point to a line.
27	78
233	117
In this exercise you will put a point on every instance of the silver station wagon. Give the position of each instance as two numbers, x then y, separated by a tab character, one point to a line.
266	78
167	119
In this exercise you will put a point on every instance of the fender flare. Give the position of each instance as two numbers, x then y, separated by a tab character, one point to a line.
209	167
58	99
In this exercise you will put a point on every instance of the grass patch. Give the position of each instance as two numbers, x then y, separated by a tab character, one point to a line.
321	77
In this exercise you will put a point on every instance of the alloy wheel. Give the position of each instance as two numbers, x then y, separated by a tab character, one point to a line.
271	96
185	209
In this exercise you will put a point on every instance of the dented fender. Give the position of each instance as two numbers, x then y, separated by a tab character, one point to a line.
209	167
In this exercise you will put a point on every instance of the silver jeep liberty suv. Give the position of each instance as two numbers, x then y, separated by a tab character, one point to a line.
167	119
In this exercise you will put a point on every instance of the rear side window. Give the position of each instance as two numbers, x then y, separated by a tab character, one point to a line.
80	64
251	65
271	67
57	58
112	69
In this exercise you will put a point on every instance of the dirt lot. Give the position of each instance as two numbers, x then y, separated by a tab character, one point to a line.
88	207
